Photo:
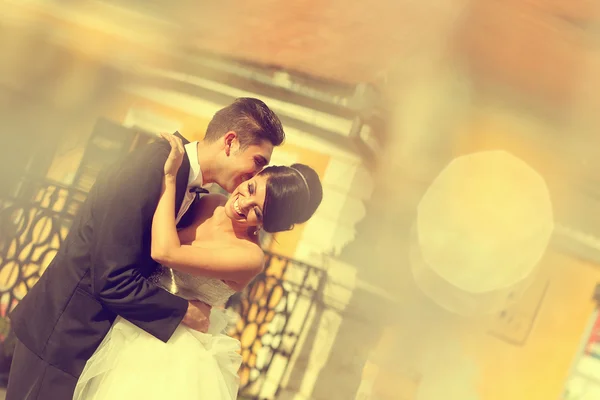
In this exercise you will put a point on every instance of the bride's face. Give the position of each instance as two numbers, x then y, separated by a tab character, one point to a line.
246	203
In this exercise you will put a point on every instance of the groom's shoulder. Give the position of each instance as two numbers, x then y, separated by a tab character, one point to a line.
156	150
150	156
158	145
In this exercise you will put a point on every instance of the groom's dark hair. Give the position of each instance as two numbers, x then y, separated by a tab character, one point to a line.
251	119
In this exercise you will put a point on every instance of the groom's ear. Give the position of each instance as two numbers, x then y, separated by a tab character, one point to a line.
230	140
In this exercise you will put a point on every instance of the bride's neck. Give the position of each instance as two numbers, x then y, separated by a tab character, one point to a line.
221	221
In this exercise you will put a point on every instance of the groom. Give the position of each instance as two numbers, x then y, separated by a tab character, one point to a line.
100	271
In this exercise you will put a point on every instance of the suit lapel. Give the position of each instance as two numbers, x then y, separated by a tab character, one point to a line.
183	176
188	217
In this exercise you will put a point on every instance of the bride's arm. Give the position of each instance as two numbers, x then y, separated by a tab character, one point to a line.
238	263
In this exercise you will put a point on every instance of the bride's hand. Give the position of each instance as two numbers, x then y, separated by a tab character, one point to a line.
175	156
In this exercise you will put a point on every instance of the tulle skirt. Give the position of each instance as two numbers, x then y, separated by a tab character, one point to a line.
132	364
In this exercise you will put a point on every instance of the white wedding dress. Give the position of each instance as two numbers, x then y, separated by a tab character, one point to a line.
131	364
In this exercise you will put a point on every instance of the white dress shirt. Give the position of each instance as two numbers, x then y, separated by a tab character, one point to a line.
194	180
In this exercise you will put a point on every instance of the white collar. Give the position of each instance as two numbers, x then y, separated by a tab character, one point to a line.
195	179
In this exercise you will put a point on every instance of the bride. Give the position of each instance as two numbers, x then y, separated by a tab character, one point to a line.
213	258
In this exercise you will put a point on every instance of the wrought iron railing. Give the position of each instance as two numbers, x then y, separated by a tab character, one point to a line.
274	311
33	224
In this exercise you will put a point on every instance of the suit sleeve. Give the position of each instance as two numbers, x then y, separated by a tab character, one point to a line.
125	200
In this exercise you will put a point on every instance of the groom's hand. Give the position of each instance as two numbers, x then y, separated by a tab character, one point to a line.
197	316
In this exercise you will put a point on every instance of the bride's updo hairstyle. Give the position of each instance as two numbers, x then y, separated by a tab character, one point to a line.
292	196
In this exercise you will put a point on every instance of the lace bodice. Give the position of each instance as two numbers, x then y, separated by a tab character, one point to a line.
208	290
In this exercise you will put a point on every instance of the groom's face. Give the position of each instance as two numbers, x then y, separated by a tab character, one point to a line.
243	163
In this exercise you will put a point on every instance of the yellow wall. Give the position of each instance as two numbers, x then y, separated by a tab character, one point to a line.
538	370
192	126
535	371
528	138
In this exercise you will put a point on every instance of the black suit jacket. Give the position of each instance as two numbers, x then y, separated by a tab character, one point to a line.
100	271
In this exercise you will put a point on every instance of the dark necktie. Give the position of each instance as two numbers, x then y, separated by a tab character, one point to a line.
197	189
